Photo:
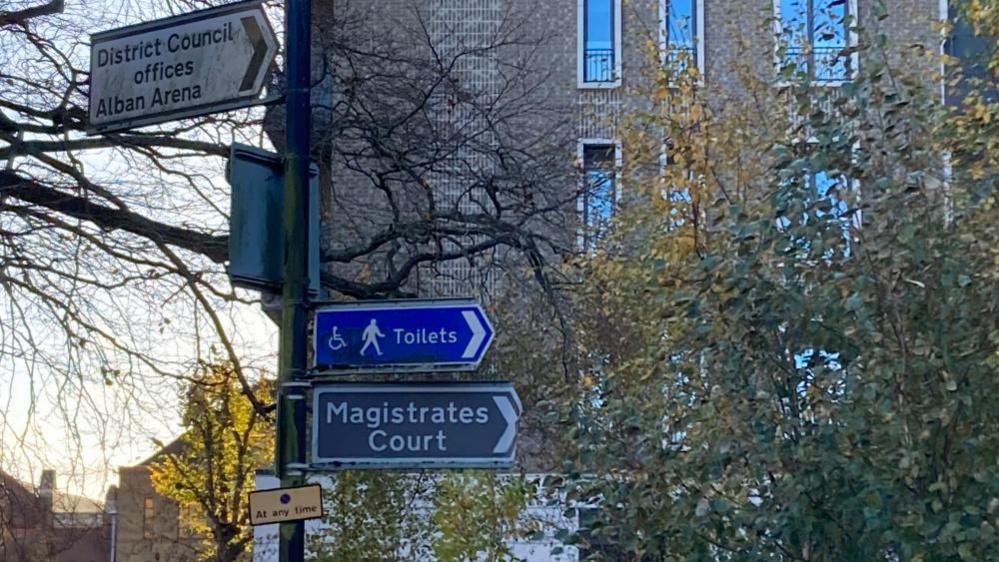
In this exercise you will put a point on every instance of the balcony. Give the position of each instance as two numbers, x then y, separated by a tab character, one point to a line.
598	65
679	57
820	64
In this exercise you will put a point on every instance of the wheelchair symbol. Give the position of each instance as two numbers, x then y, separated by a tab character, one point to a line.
336	343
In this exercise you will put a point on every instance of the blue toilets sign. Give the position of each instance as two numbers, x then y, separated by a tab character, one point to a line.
412	335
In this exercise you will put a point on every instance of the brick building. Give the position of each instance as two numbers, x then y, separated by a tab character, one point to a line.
45	524
149	527
549	80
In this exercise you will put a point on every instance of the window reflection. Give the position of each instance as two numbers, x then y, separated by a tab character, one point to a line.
598	41
681	33
599	192
813	35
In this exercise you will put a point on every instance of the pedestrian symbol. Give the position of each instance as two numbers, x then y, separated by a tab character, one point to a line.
371	335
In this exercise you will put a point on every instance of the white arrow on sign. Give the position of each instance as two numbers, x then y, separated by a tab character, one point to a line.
509	413
478	334
194	64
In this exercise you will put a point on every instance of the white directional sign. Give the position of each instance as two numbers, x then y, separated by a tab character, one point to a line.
193	64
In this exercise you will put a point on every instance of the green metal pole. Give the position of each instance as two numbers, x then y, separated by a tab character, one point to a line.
292	362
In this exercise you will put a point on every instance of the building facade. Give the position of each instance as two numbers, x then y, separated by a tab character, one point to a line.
45	524
438	116
148	526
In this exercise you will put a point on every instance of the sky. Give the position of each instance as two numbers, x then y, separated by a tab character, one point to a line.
86	441
81	426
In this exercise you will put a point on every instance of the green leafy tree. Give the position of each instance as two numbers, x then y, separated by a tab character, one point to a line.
458	517
212	471
476	514
793	340
368	517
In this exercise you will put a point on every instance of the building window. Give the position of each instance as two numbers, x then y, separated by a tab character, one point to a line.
971	53
682	33
147	518
598	193
599	43
811	37
679	198
829	191
824	191
825	211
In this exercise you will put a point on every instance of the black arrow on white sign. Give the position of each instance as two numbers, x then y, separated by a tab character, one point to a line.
193	64
260	49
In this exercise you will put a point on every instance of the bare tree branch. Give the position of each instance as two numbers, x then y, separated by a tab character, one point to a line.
30	191
21	16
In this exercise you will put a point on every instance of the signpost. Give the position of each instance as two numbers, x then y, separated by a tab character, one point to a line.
286	504
413	335
289	459
415	425
215	60
193	64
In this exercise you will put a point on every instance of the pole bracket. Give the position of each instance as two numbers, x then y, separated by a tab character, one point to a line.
300	384
295	469
293	390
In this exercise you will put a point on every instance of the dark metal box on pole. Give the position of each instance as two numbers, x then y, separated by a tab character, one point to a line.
256	240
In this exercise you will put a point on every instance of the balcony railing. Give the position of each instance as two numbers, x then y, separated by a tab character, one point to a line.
820	64
680	57
598	65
